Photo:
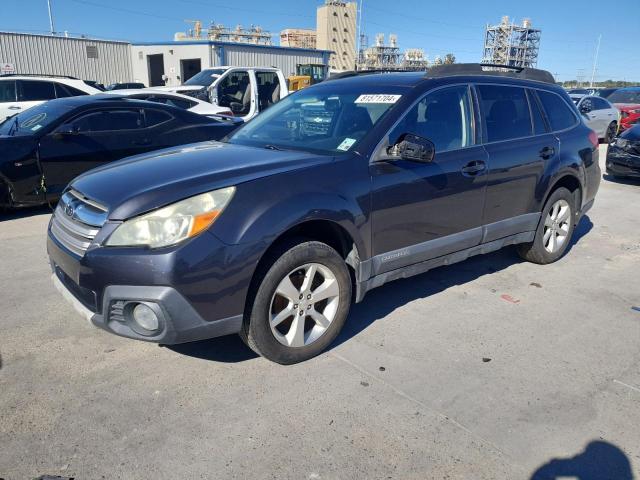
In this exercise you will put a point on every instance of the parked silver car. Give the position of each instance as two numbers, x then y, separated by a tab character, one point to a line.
600	115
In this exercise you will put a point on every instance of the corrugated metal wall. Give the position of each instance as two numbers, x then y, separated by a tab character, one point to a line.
51	55
284	59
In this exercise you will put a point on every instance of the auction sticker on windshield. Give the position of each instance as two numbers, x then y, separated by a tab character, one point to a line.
346	144
378	98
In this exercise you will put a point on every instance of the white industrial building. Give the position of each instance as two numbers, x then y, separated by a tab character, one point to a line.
172	63
104	61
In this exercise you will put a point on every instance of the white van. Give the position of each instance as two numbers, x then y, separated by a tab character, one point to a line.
245	91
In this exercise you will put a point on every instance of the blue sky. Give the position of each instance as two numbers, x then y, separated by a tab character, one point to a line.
570	28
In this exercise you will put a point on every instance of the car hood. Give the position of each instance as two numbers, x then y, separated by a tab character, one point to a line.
631	134
182	88
627	106
142	183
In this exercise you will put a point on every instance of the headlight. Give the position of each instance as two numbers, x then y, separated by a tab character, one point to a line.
621	142
174	223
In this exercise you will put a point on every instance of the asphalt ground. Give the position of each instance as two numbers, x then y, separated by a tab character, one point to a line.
491	368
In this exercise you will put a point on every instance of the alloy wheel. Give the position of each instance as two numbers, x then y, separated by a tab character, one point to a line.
556	226
304	305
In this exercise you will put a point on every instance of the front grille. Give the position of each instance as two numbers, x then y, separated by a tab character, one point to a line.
76	221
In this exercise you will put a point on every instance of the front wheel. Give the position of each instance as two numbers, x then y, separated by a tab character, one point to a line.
554	231
300	305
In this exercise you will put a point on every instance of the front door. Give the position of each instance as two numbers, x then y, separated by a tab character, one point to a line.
235	91
425	210
88	141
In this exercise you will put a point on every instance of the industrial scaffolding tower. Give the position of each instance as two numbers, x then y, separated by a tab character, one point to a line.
513	45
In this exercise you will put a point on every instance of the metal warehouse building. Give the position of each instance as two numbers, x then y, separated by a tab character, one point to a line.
104	61
172	63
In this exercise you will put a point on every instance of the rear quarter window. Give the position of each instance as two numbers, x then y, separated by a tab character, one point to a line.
559	114
7	91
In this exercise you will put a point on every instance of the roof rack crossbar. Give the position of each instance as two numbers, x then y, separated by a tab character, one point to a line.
490	69
47	75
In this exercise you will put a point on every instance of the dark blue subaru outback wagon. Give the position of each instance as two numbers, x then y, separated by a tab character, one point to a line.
333	191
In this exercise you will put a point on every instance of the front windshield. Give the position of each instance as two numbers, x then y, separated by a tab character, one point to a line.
35	119
205	77
622	96
325	120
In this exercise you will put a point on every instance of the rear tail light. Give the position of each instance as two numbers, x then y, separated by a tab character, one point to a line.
593	138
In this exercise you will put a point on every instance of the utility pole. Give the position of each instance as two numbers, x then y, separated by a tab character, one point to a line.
359	37
595	62
53	30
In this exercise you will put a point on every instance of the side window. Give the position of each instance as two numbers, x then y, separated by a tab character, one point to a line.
268	89
539	126
155	117
173	101
67	91
599	104
234	92
444	117
108	121
559	114
35	90
505	111
7	91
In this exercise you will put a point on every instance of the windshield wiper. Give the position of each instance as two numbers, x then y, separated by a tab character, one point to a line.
14	128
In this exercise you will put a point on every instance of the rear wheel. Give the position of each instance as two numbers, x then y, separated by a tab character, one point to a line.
300	305
554	231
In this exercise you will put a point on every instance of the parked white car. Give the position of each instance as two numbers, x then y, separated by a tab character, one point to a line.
185	102
246	91
21	92
600	115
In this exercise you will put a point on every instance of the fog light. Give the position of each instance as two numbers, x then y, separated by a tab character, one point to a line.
145	317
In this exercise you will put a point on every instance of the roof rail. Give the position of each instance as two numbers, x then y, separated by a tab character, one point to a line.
490	69
48	75
356	73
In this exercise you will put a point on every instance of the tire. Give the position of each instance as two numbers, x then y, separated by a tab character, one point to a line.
610	133
314	270
542	250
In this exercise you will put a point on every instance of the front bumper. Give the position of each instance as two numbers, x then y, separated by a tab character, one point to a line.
622	163
198	290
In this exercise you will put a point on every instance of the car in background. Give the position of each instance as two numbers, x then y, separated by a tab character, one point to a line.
246	91
599	115
580	91
21	92
125	86
623	155
178	100
605	92
47	146
627	100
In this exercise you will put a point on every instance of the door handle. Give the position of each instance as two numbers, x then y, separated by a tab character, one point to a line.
547	152
14	107
473	168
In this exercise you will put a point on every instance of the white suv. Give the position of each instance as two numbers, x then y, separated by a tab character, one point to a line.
20	92
245	91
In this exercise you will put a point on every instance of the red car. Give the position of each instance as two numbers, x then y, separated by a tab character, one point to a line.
627	100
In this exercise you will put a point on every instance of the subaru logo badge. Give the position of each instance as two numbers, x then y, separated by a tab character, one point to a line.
68	210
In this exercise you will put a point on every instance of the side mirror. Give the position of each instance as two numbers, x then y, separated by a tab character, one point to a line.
66	131
586	107
413	148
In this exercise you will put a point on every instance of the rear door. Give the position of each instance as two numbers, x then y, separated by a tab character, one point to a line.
606	114
269	88
34	92
89	140
426	210
519	147
9	105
